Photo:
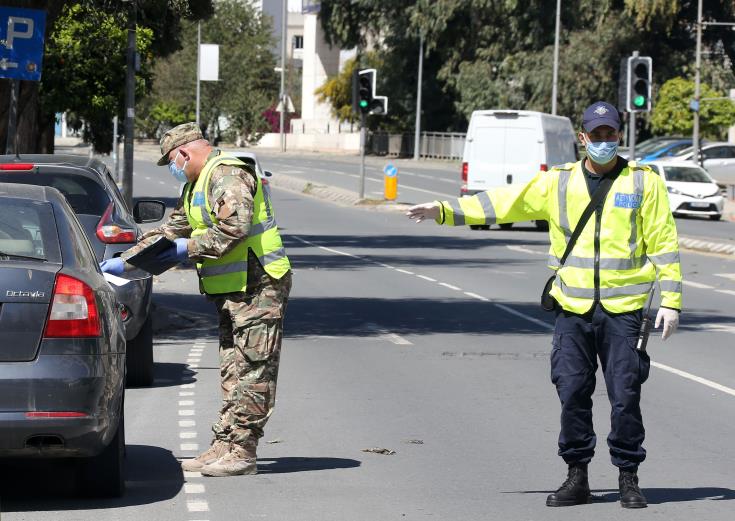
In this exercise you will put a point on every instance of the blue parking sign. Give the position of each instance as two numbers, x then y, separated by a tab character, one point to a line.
21	43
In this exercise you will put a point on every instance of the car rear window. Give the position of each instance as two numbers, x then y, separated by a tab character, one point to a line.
27	229
86	196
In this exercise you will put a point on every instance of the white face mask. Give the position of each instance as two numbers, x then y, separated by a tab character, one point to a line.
177	172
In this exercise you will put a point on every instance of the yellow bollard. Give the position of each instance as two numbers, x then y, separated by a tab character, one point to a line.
391	182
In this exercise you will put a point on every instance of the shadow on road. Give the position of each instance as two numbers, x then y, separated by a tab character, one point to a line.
655	496
355	316
152	475
292	464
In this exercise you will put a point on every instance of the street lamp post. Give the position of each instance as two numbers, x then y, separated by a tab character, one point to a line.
697	91
417	137
284	108
556	58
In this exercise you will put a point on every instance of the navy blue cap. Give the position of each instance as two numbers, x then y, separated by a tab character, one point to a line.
598	114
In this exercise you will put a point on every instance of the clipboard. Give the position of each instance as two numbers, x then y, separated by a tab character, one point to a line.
147	258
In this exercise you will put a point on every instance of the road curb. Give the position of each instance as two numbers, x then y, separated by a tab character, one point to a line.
706	246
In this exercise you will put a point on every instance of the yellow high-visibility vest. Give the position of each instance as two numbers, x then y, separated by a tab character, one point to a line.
229	273
635	233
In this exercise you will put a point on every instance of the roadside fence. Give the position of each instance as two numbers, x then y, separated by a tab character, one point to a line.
436	145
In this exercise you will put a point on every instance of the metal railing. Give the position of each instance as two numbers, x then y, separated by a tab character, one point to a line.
437	145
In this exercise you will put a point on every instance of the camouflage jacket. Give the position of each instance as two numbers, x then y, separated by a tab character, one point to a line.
231	193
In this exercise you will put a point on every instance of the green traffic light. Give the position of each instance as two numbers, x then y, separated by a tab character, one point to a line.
639	101
363	104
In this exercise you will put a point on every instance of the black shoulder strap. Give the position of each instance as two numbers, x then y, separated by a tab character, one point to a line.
600	193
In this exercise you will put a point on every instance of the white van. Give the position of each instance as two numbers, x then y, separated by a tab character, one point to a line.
511	146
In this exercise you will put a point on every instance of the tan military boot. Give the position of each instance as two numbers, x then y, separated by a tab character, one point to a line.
212	454
237	462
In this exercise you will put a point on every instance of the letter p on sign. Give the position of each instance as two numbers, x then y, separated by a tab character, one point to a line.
15	23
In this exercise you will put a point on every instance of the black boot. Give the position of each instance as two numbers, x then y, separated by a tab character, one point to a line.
630	495
574	491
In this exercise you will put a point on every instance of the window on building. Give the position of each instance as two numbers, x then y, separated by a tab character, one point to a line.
298	41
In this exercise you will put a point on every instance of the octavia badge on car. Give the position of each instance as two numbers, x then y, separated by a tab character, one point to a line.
18	293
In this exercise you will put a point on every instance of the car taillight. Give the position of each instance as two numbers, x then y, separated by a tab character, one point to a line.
17	166
465	169
73	310
56	414
110	232
544	167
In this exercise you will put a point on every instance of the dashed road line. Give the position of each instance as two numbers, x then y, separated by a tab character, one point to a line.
185	403
475	295
426	278
187	435
454	288
697	285
197	506
399	270
725	291
186	412
525	250
187	423
186	393
193	488
189	447
695	378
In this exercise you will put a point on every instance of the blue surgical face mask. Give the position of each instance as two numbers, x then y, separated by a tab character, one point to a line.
177	172
602	152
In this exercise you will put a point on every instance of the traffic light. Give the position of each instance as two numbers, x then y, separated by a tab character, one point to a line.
639	84
364	100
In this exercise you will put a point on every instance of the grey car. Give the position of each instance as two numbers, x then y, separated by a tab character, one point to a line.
111	228
62	362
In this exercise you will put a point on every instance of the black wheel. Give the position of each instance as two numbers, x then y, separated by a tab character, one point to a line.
139	356
479	227
715	217
103	475
542	226
506	226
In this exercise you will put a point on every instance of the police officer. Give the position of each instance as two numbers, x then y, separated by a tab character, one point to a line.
600	290
225	223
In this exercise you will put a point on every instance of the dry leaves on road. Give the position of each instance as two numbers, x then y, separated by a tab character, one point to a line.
378	450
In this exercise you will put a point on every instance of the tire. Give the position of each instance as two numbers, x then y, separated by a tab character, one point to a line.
103	475
715	217
542	226
139	356
506	226
479	227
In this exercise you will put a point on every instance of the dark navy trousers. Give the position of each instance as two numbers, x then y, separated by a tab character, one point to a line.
579	341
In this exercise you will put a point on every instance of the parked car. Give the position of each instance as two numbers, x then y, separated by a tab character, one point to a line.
664	150
249	158
511	146
62	362
111	228
691	189
645	147
717	158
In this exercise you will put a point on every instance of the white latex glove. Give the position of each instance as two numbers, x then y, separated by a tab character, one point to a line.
424	211
670	319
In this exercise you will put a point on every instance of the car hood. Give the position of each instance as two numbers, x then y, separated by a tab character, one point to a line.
698	190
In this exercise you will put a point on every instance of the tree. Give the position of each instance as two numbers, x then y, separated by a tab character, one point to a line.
674	116
247	86
84	61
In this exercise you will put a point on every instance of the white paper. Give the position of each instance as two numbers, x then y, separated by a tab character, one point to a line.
117	281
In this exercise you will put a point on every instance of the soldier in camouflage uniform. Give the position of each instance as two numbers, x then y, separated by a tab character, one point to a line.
250	321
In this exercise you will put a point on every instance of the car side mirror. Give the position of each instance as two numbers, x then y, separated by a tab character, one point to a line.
267	173
148	211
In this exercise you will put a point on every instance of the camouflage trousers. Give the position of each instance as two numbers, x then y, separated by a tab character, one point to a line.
250	334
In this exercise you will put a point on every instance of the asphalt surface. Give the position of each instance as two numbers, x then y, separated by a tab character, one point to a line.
427	341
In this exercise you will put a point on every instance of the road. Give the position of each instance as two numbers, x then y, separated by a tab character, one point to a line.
427	341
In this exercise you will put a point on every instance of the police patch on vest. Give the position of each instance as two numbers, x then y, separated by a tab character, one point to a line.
198	199
628	200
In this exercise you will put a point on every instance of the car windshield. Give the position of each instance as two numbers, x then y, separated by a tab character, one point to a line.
85	195
27	230
687	174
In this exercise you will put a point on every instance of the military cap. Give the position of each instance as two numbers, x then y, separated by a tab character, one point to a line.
177	136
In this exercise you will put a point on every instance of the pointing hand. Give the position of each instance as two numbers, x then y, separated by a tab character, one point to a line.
424	211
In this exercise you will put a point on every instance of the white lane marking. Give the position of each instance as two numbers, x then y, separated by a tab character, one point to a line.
696	284
399	270
475	295
525	250
186	412
726	291
193	488
188	435
455	288
161	183
426	278
719	328
524	316
187	423
189	446
730	276
197	506
695	378
186	393
396	339
184	403
194	366
193	360
191	474
147	178
386	266
188	386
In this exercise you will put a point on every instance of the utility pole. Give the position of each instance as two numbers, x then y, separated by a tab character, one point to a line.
556	58
284	105
11	143
363	144
697	90
417	137
199	64
631	126
127	181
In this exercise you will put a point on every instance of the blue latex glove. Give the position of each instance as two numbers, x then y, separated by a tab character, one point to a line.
114	266
179	252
